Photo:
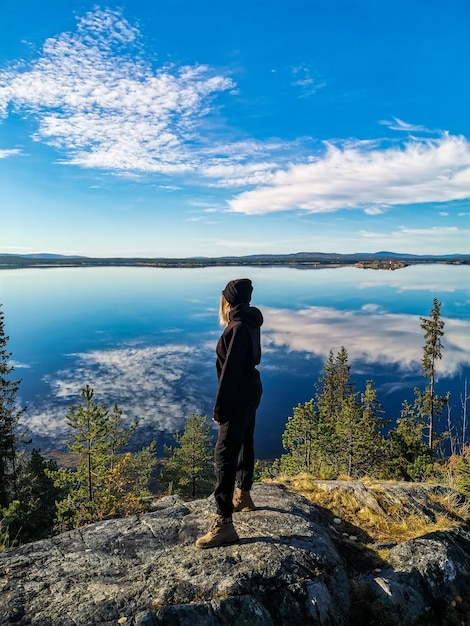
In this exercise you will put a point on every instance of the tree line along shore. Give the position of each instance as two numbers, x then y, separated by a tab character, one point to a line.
310	260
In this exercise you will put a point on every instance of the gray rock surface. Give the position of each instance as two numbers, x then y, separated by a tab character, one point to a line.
290	567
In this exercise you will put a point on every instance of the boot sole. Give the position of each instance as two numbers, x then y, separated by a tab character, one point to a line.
229	542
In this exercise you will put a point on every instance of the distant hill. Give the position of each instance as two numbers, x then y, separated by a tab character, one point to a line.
301	260
44	255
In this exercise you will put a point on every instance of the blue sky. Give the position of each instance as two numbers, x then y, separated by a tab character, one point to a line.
174	128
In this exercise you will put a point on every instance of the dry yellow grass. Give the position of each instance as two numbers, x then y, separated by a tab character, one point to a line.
397	522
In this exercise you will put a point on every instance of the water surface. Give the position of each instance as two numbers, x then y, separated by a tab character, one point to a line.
144	338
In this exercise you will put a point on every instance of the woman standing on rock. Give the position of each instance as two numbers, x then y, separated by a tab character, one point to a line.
238	396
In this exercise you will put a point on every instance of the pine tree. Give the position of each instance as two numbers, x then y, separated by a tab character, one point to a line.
89	440
427	402
189	471
10	415
358	431
37	496
107	482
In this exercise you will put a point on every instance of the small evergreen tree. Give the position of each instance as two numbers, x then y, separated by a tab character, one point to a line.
311	443
462	472
347	426
8	516
428	404
298	438
409	457
334	385
189	471
89	440
359	429
326	395
107	482
318	435
370	442
37	496
9	418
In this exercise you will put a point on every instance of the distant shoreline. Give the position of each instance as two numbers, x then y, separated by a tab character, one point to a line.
307	260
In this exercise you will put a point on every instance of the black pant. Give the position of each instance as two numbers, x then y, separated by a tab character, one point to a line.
235	452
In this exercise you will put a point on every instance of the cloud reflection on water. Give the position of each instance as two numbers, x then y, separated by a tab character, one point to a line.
157	385
162	385
370	335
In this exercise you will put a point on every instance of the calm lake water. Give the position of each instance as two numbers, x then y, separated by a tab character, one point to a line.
145	339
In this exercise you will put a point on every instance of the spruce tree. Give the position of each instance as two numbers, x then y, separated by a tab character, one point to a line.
9	418
189	471
315	435
409	457
428	404
347	424
298	439
344	386
326	396
37	496
334	385
371	444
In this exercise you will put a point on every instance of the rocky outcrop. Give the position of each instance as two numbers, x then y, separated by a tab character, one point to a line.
291	566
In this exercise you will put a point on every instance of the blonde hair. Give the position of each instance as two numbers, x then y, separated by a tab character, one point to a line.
224	309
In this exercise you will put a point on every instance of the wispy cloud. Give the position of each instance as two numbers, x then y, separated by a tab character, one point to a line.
398	124
8	153
358	177
18	365
374	210
453	238
304	78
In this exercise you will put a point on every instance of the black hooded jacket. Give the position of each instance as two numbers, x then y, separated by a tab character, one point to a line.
238	354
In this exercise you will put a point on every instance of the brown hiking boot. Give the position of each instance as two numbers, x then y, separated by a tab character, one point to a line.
242	501
220	533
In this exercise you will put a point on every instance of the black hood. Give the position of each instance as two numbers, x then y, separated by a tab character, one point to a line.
247	314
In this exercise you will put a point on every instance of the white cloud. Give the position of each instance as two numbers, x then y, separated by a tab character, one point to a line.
18	365
357	176
8	153
398	124
435	231
374	211
304	78
99	100
441	238
369	335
